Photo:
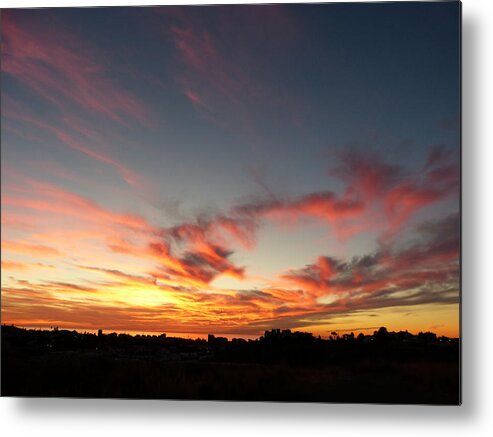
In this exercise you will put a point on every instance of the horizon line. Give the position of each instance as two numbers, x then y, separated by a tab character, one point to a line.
216	335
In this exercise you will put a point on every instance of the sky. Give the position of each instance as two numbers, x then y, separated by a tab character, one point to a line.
231	169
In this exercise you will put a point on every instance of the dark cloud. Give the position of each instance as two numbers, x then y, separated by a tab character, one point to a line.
390	270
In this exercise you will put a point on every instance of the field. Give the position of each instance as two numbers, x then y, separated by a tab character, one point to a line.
350	372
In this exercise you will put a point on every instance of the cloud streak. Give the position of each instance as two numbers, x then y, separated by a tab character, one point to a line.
60	67
221	86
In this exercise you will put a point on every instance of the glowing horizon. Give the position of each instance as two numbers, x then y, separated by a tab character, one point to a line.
231	169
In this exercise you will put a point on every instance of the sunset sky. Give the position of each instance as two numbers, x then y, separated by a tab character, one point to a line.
231	169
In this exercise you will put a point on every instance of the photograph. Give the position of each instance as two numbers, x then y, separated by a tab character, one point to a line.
248	202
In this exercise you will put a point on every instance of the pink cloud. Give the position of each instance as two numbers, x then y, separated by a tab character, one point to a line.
389	271
62	68
48	198
394	191
69	140
228	86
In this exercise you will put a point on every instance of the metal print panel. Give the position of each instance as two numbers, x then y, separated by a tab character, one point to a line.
243	202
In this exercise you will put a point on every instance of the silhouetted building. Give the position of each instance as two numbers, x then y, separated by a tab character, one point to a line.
273	333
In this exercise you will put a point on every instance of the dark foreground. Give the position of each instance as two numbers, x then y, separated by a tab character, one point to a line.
280	366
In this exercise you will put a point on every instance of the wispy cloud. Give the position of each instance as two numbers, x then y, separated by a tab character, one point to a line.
67	132
391	274
64	69
29	249
228	87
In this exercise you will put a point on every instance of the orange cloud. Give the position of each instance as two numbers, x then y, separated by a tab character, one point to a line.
29	249
179	264
48	198
14	265
390	275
